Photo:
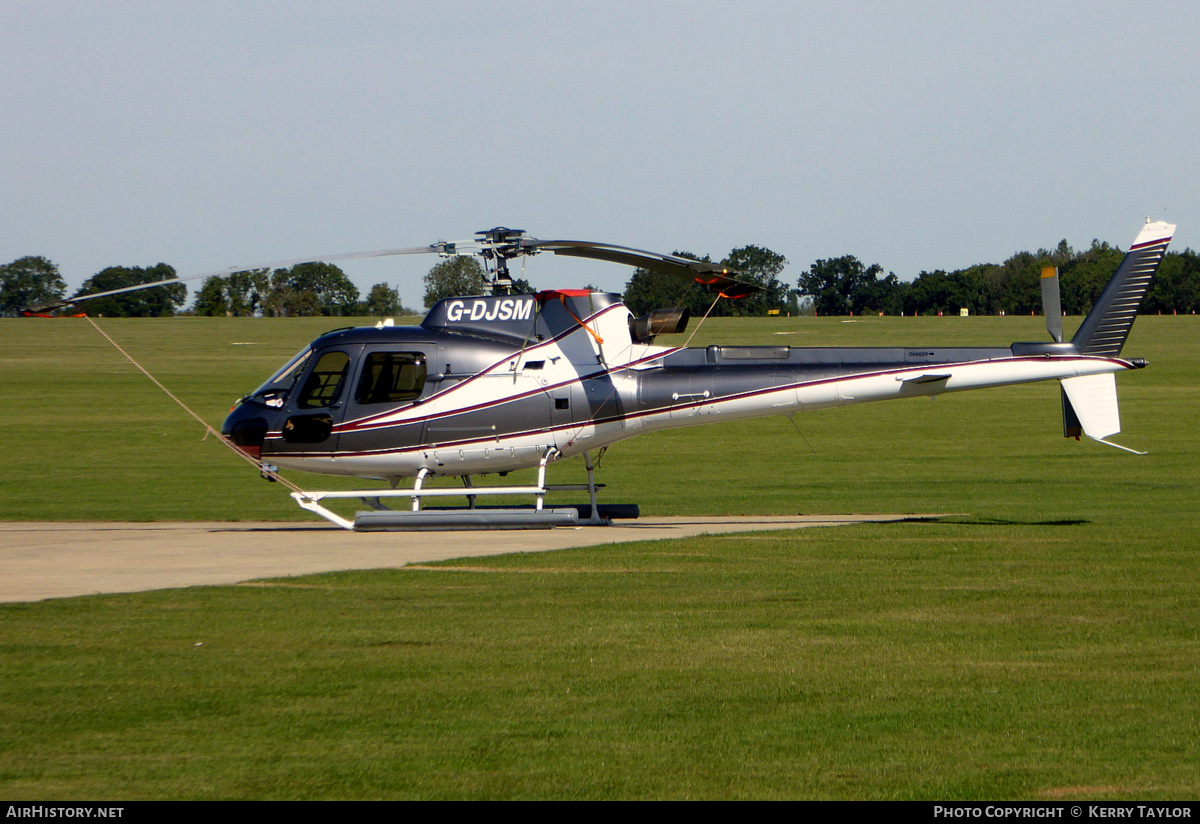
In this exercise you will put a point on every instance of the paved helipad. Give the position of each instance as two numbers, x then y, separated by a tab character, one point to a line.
58	560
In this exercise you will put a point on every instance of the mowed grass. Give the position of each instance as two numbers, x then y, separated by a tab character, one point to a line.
1040	642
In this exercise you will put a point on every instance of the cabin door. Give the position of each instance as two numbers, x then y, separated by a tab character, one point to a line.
319	405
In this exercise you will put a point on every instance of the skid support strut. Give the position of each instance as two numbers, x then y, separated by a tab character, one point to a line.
473	516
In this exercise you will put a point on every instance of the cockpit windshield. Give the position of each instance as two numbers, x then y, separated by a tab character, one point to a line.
276	388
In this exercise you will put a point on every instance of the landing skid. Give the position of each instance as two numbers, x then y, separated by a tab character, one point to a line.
472	517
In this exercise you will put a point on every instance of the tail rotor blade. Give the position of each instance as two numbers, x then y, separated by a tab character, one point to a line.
1052	303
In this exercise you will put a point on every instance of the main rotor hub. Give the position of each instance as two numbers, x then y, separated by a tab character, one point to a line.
499	245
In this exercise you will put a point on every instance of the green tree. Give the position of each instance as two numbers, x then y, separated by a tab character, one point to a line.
884	294
308	289
382	300
647	291
520	286
245	291
29	282
161	301
454	277
210	300
1083	277
933	292
238	295
1020	279
1188	295
760	265
840	286
929	293
1176	286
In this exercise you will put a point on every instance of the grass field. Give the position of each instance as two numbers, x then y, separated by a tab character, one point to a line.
1040	642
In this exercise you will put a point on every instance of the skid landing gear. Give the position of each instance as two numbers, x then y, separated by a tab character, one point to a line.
381	518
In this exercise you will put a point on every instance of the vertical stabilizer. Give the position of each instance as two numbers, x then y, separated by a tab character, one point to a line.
1093	400
1090	408
1106	327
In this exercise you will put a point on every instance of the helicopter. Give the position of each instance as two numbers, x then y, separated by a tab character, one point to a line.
491	384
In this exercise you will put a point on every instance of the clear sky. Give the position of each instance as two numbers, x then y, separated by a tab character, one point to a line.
916	135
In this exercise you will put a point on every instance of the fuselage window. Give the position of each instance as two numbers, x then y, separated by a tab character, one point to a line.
391	377
324	384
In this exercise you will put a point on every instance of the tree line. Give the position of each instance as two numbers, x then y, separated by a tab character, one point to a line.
844	285
305	289
847	286
834	286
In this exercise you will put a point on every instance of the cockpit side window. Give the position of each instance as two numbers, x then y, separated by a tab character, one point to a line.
279	386
391	377
324	384
286	377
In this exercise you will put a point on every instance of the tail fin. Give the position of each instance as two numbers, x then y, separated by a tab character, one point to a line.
1106	327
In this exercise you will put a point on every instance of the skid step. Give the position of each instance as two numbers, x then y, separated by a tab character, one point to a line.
607	512
454	519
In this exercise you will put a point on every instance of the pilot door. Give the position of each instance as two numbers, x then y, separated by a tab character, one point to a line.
319	405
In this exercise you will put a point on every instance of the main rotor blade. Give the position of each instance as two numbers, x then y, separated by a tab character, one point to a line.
233	270
710	275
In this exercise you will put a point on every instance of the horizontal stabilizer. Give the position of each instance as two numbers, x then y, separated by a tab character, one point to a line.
927	378
1093	399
